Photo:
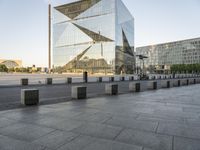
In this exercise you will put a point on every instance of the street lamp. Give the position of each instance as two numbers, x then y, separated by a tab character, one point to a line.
142	57
49	28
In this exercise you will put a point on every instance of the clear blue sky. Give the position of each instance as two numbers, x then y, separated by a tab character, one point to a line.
23	25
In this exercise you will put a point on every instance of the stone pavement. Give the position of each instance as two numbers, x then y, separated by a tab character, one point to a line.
166	119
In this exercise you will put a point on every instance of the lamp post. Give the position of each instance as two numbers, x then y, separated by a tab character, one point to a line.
49	31
142	57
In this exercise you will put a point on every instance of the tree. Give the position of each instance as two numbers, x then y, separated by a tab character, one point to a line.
3	68
11	69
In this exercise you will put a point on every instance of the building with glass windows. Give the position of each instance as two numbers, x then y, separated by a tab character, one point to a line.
162	56
95	36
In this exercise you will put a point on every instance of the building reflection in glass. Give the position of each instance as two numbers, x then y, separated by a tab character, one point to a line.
95	36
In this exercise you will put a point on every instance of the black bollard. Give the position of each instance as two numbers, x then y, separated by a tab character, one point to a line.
85	77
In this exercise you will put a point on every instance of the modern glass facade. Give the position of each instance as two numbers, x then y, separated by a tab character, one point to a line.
95	36
162	56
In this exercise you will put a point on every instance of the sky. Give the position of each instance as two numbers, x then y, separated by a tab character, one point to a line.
24	25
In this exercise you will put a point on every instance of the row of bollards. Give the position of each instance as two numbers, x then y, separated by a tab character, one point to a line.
31	96
49	81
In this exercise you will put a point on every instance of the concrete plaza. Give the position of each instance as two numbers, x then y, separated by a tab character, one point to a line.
165	119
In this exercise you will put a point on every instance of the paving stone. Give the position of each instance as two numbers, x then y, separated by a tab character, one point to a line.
7	143
87	125
133	123
160	118
97	117
186	144
193	122
65	114
25	132
55	139
146	139
78	144
5	122
58	123
111	145
179	130
98	130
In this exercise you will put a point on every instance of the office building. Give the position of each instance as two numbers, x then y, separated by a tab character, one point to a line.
162	56
95	36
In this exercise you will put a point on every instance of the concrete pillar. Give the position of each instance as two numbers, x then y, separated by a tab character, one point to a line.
169	84
99	79
183	82
49	81
166	83
195	81
79	92
24	82
111	79
111	89
137	86
85	77
153	85
176	82
187	81
69	80
131	78
122	78
191	81
179	83
29	96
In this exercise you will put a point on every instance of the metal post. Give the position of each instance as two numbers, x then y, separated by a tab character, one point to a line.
49	14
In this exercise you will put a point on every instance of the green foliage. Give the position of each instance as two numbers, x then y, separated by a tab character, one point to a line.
11	69
183	68
3	68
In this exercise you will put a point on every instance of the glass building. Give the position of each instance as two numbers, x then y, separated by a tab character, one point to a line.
95	36
162	56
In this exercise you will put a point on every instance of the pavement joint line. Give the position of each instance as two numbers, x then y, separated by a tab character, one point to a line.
165	134
173	143
85	134
78	135
119	133
157	127
45	134
54	98
143	148
104	122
